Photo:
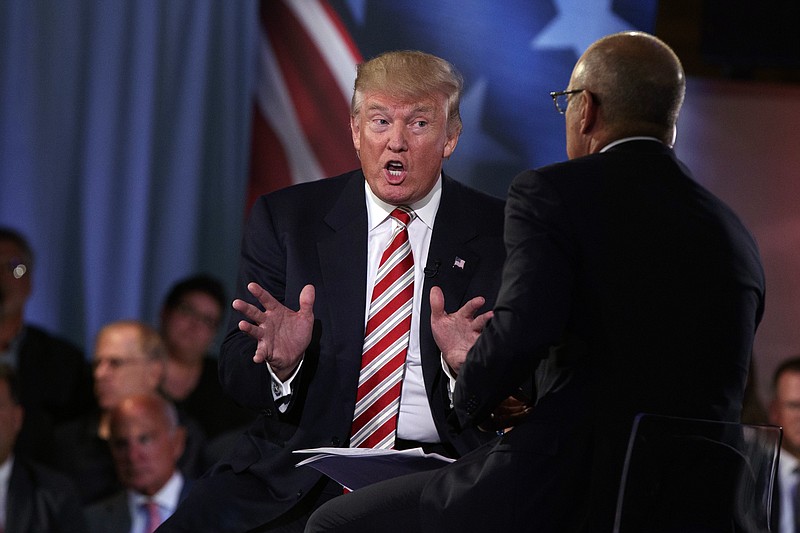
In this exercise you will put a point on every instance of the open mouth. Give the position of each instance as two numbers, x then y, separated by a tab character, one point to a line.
395	168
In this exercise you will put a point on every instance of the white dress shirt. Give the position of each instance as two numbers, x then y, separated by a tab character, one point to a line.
5	478
167	500
788	479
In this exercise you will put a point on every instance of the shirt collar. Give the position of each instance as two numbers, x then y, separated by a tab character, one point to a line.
787	463
5	470
628	139
166	498
424	209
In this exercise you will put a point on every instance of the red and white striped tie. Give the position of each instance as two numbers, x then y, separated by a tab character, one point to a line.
385	342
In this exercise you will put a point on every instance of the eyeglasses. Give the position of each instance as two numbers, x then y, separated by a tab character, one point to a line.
188	311
15	266
115	363
561	99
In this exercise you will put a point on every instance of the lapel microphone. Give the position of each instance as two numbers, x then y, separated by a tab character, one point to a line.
430	272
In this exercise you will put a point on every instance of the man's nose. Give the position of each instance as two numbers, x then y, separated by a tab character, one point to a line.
397	138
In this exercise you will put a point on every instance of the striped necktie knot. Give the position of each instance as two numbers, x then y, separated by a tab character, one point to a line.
403	214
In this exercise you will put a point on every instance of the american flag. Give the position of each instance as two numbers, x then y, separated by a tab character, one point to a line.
307	65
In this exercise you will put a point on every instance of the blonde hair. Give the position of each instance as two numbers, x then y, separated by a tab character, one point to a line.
149	341
409	75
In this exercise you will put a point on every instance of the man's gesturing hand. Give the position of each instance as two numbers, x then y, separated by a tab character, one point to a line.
455	333
282	334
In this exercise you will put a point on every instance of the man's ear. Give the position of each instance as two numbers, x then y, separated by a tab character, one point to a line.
355	131
589	110
450	146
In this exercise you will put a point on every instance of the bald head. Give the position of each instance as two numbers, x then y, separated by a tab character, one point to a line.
638	83
146	442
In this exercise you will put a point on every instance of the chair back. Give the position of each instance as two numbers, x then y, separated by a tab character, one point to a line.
698	476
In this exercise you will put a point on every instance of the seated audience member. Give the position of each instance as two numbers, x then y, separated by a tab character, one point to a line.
33	498
55	379
784	410
190	318
146	441
129	358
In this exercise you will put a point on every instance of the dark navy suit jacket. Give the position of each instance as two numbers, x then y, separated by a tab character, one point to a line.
642	292
317	233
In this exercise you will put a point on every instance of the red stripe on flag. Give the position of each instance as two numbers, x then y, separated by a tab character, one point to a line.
322	109
269	169
319	103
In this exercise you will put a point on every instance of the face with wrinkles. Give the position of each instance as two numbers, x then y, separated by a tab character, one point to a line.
401	145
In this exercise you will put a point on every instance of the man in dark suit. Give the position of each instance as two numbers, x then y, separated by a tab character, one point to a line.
783	411
315	248
34	498
55	378
628	288
146	441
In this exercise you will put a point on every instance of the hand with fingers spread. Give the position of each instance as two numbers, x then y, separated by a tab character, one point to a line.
455	333
282	334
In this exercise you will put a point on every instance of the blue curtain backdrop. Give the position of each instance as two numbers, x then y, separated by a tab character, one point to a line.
125	125
124	138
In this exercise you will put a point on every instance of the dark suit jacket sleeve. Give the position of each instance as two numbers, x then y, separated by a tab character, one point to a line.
535	289
262	261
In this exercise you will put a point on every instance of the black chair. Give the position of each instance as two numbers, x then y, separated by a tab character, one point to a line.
697	476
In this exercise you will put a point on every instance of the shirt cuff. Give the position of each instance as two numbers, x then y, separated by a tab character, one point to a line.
451	384
282	390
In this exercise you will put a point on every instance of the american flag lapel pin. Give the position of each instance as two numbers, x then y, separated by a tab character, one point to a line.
459	263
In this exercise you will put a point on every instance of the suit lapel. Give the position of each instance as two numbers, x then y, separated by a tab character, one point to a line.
21	495
457	262
343	260
118	512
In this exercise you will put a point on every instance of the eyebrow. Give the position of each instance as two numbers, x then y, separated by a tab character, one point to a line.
415	110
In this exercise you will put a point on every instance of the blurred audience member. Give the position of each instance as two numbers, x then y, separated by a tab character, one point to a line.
190	318
129	358
146	442
33	498
55	379
784	410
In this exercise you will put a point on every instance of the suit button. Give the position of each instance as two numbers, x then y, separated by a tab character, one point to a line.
300	493
472	404
335	441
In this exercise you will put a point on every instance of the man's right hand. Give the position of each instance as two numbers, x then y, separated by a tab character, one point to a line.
282	334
